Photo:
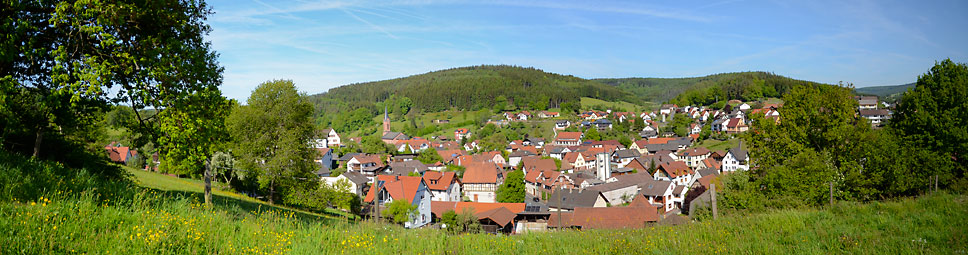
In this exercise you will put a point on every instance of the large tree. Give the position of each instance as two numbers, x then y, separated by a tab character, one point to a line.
933	114
63	62
512	190
271	136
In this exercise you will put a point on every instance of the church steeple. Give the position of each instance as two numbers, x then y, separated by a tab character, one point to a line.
386	121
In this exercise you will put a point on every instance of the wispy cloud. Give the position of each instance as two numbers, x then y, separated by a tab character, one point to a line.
374	26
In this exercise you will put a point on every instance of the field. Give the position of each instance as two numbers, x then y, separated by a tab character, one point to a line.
146	220
587	103
717	145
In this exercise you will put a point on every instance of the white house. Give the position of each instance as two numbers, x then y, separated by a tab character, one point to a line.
744	107
481	181
735	159
355	182
410	188
693	157
332	138
445	186
658	193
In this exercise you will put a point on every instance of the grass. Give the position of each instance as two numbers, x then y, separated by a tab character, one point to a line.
155	221
587	102
717	145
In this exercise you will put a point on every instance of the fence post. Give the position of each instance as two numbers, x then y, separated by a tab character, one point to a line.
831	193
712	187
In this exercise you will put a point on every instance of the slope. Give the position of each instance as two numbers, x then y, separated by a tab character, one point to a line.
884	91
707	89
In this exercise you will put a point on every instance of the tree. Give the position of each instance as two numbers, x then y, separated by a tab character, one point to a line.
500	103
512	190
932	115
62	62
592	134
429	156
271	137
465	221
224	165
375	145
570	108
400	211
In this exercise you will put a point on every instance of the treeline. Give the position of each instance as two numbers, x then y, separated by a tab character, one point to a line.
469	88
821	146
707	90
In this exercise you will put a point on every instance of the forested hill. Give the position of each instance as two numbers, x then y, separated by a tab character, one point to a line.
884	91
476	87
707	89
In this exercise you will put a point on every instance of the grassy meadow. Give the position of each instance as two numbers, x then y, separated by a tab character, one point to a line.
83	214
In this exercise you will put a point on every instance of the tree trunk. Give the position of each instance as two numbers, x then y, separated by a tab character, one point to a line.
208	184
37	141
272	192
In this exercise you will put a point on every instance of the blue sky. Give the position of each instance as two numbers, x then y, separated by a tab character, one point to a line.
324	44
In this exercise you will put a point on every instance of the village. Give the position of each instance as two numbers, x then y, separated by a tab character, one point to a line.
569	182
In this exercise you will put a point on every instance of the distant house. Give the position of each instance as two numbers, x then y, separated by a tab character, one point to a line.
695	128
332	138
744	107
407	168
693	157
367	164
867	102
325	158
515	157
562	124
391	137
719	125
677	172
481	181
493	217
445	186
736	125
547	114
409	188
623	157
657	192
120	154
626	217
568	139
602	124
876	116
461	133
668	109
357	181
735	159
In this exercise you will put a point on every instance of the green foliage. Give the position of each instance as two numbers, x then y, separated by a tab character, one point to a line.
512	190
932	116
465	222
374	145
570	108
591	134
353	120
429	156
709	89
223	164
399	211
680	125
271	137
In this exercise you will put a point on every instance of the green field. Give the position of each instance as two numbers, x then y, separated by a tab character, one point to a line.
65	218
717	145
587	103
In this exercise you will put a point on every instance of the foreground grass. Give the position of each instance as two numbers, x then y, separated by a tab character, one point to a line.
144	220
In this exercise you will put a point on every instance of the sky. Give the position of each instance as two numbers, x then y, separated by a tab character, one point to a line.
324	44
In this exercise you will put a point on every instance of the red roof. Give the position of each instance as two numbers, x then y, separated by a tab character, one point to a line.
439	180
712	163
660	140
536	163
480	173
675	168
399	187
440	207
569	136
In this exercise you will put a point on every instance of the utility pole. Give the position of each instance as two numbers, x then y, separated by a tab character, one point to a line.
208	183
559	208
712	188
376	200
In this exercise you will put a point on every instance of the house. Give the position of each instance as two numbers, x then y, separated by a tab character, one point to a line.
539	183
120	154
867	103
557	152
695	128
693	157
392	137
547	114
639	146
624	157
445	186
461	133
568	200
668	109
735	159
493	217
677	172
744	107
568	139
718	125
876	116
324	158
515	157
602	124
412	189
481	181
736	125
367	164
332	138
657	192
562	124
619	190
534	163
407	168
355	181
627	217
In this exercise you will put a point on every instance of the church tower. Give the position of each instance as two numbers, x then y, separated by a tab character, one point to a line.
386	121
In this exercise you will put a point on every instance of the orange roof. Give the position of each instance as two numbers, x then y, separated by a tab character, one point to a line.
369	158
480	173
675	168
641	143
501	215
439	180
712	163
661	140
440	207
399	187
536	163
569	136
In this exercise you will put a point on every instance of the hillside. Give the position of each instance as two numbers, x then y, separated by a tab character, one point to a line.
707	89
884	91
475	87
81	216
